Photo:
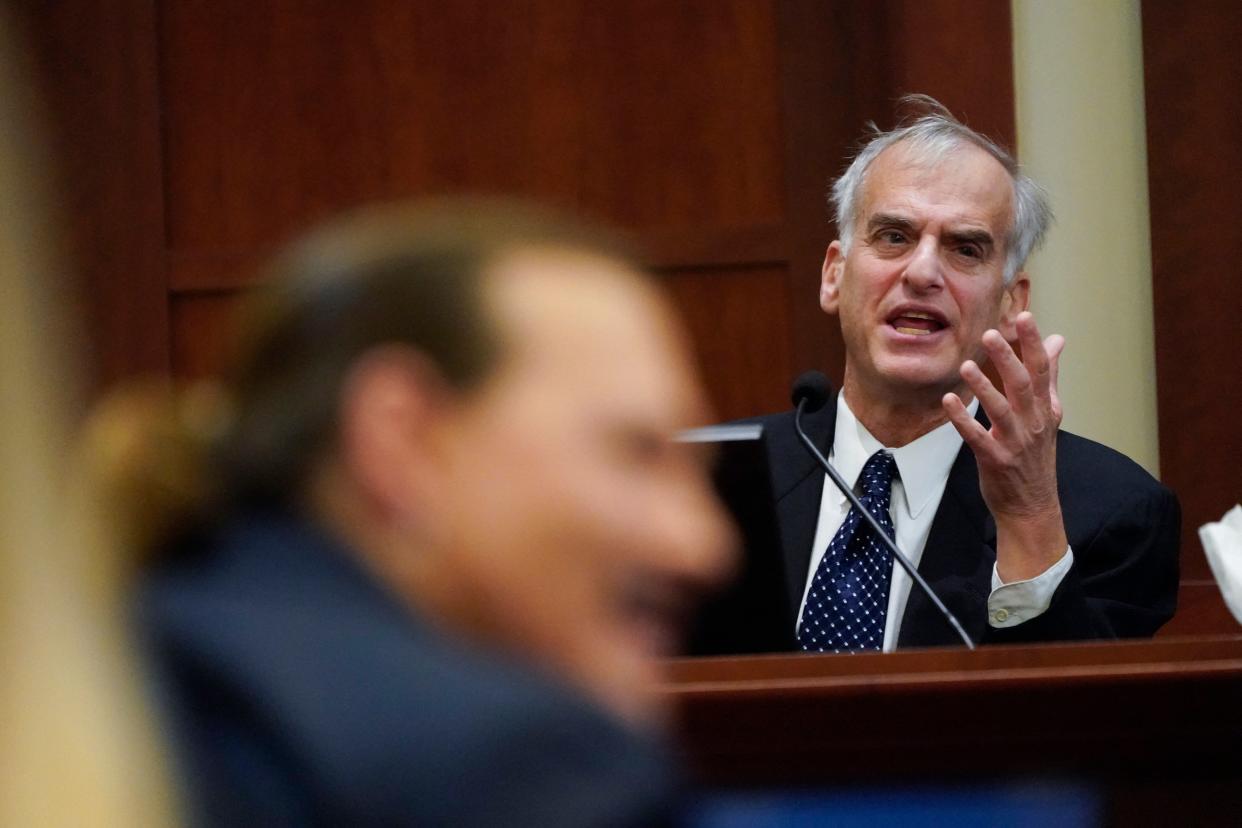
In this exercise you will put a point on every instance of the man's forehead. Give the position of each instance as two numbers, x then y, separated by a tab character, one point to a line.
963	185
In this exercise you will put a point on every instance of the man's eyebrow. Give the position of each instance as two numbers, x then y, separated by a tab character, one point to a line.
879	220
979	237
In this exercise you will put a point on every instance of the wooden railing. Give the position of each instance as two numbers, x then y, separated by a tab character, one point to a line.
1154	726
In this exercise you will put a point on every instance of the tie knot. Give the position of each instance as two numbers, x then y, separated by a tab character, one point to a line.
878	474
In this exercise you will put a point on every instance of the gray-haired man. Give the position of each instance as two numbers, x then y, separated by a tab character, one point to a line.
1026	532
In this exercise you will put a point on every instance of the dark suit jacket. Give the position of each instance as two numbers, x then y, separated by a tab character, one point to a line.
1122	524
301	692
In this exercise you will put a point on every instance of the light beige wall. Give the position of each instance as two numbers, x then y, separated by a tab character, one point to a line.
1078	77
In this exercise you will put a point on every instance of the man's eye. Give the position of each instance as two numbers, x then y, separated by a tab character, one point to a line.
970	251
890	237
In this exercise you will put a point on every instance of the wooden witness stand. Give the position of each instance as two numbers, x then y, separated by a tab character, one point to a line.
1154	727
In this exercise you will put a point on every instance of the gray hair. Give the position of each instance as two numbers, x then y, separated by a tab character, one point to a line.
933	134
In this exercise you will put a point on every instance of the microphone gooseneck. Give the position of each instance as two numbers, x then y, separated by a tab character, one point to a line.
810	393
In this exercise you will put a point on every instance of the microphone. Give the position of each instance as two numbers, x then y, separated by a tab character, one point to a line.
811	392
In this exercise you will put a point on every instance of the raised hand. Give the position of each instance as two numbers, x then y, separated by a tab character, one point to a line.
1017	455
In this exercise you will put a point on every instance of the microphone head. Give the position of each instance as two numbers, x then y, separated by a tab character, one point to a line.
814	388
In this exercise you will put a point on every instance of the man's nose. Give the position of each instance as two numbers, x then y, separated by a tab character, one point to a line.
923	270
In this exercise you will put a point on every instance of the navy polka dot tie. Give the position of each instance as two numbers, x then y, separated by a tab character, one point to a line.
848	601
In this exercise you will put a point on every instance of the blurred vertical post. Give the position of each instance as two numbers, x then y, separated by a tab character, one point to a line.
78	746
1078	82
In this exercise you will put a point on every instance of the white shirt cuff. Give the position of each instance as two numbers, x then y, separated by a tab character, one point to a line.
1011	604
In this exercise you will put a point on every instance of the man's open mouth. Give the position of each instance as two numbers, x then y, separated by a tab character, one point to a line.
917	323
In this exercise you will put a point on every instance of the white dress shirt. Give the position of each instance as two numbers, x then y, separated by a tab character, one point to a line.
924	466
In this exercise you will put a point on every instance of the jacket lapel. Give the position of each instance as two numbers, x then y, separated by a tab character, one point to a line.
957	561
798	485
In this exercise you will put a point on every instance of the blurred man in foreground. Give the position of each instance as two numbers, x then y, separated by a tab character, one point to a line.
440	536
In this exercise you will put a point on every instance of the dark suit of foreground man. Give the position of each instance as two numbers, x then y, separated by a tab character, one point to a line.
442	538
304	692
1026	532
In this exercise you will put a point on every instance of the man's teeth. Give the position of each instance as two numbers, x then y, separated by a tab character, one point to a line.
919	330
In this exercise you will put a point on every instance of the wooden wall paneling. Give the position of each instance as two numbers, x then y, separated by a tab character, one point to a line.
666	249
738	319
650	114
713	129
661	117
202	326
1193	83
97	67
817	129
213	272
1200	611
958	52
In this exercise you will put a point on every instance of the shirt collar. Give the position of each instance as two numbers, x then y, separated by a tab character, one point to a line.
923	464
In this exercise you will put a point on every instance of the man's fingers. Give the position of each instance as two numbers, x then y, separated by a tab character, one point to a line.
972	431
997	406
1034	357
1014	376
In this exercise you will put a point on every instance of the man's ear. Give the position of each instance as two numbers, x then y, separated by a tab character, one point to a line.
830	278
391	402
1015	299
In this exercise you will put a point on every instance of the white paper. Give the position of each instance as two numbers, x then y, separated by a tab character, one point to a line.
1222	542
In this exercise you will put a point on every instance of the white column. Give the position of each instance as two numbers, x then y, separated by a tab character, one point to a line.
1078	78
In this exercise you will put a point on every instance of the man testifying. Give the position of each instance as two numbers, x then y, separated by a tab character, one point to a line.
1027	533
